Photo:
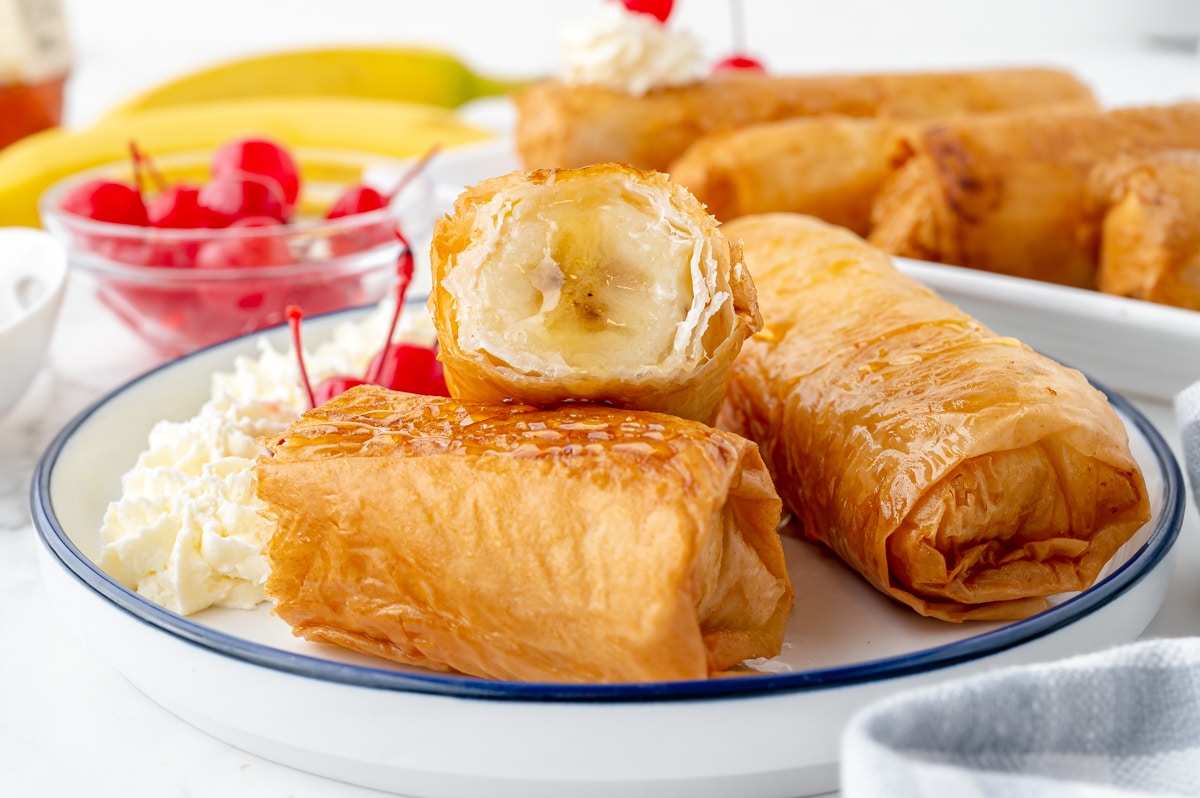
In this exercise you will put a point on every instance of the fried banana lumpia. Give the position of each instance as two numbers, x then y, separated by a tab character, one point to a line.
1007	192
960	472
583	544
1147	210
561	125
824	166
603	284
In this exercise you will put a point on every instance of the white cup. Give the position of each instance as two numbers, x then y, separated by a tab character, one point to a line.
33	272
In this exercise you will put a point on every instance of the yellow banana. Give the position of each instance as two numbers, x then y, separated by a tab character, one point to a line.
408	74
400	130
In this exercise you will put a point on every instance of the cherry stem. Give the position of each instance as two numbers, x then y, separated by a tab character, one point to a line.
737	25
138	181
404	275
142	161
411	173
294	314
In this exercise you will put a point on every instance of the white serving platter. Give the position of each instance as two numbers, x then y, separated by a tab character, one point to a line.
241	677
1134	347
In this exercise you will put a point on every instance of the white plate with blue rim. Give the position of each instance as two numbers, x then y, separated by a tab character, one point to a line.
243	678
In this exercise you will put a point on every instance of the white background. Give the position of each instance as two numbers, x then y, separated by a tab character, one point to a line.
123	45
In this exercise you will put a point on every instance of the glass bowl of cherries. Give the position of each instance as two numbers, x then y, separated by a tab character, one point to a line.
190	249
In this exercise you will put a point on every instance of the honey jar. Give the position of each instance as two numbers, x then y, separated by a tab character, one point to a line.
35	60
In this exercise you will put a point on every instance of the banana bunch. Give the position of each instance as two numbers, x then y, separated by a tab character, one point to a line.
407	74
388	101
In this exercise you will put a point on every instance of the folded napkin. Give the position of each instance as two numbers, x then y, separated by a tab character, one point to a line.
1187	413
1123	722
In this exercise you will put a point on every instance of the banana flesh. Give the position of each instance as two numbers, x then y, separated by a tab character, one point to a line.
583	284
383	127
406	74
603	284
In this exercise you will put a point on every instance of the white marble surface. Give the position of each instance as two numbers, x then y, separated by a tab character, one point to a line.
70	724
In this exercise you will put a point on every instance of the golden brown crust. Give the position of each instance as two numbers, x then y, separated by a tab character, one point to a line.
824	166
570	126
1007	192
580	544
959	471
1147	213
604	284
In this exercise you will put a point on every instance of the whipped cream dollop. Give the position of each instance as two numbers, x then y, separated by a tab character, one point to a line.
188	531
628	51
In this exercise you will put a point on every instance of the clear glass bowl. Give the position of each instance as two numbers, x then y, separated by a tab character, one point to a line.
148	277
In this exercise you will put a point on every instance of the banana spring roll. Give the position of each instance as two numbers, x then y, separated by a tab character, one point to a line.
1147	210
579	544
603	284
824	166
960	472
567	126
1007	192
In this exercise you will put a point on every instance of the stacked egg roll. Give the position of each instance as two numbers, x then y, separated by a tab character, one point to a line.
579	543
960	472
602	284
1147	213
825	166
1008	192
561	125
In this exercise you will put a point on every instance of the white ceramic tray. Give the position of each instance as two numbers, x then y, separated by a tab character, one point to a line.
1135	347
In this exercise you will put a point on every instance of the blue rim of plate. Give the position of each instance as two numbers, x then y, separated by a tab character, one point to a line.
1120	581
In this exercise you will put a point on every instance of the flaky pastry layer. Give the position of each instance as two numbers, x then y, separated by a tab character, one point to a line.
1146	214
603	284
959	471
826	166
567	126
578	544
1007	192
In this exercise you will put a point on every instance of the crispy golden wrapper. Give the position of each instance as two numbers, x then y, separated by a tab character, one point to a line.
584	544
825	166
565	126
959	471
1007	192
1147	210
603	284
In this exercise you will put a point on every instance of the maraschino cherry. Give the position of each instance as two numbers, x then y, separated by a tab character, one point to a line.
738	63
236	195
174	205
261	157
659	9
177	207
400	367
361	198
738	60
245	251
106	201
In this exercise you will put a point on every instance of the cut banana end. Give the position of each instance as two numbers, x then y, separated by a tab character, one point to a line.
604	283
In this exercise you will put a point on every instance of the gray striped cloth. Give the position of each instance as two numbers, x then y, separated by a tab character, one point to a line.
1123	722
1187	413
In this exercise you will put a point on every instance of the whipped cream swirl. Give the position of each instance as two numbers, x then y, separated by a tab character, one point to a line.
188	531
628	51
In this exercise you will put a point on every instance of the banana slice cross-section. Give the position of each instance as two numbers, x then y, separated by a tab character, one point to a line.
604	283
